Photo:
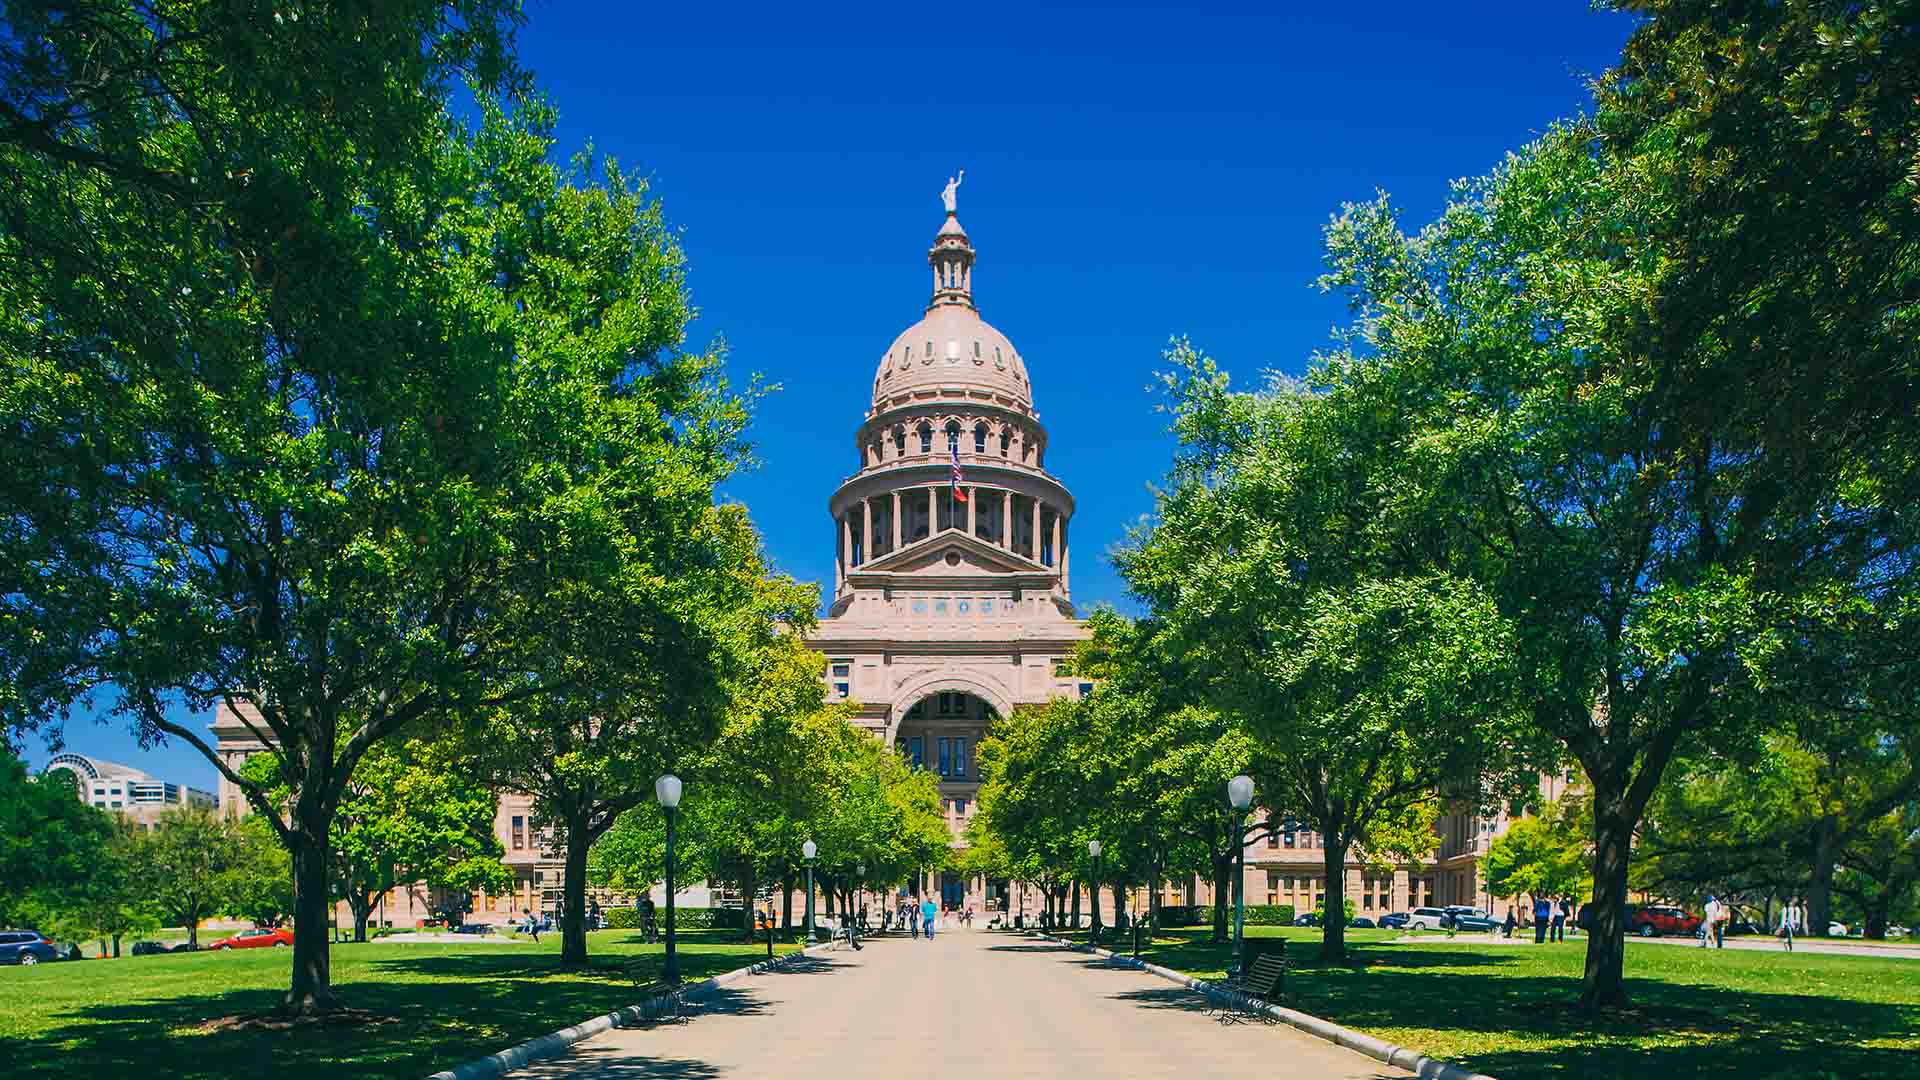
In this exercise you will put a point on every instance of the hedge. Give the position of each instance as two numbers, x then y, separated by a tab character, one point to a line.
684	918
1269	915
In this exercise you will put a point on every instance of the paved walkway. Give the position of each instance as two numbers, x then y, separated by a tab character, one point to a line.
969	1003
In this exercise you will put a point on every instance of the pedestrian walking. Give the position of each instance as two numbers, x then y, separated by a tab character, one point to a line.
1711	927
1542	915
533	927
649	928
1790	921
928	912
1559	930
1511	921
1566	917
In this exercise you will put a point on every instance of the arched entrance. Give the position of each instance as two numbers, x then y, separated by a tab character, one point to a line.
941	733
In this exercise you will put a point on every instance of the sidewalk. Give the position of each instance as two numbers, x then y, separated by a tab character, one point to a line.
968	1003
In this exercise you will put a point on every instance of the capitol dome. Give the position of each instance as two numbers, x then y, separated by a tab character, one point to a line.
952	348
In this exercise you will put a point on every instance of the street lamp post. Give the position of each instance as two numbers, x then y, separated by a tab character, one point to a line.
807	851
1093	850
1240	796
667	791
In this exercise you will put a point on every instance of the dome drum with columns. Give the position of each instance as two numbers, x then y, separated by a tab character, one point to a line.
949	612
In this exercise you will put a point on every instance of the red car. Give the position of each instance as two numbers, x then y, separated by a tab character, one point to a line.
1654	920
254	939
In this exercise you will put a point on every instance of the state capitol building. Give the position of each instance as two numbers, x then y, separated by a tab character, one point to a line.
951	607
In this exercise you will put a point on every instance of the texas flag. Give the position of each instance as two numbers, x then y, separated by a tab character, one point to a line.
959	493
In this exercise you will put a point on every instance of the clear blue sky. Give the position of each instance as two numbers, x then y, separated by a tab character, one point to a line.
1132	173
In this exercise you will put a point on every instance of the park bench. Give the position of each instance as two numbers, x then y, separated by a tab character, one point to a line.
1260	985
650	982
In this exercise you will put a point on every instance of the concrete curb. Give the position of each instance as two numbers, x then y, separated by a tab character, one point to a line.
554	1043
1378	1049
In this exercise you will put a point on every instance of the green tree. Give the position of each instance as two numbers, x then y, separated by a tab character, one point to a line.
192	861
262	874
268	423
1376	684
1880	872
49	838
1544	855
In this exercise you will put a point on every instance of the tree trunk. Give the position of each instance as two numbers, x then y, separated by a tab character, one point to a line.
1602	984
573	892
312	988
749	894
1826	852
1333	928
1074	916
786	906
361	904
1119	902
1222	883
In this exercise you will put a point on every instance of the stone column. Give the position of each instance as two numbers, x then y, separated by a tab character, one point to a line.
896	519
1066	564
846	545
1006	520
973	500
933	510
1036	530
866	530
1058	559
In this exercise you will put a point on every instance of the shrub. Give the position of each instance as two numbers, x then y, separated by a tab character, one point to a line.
1269	915
1184	915
705	918
623	918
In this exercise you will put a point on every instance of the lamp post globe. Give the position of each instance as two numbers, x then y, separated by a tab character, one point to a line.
667	791
1239	796
1093	852
807	851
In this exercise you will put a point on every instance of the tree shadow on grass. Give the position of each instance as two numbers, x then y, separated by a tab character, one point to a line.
440	1010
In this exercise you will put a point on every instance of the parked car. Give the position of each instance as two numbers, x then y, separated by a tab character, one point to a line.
1653	920
1306	919
1427	918
1395	921
187	946
1359	922
27	947
1461	917
149	948
259	938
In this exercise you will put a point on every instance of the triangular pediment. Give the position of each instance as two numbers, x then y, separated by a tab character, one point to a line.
952	554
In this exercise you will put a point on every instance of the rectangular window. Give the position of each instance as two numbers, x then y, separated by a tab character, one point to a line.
842	689
1289	840
960	759
939	607
946	756
519	833
842	668
914	752
1273	888
920	607
963	607
960	807
986	607
1273	840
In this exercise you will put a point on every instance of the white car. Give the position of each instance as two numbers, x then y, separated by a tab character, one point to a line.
1425	918
1836	929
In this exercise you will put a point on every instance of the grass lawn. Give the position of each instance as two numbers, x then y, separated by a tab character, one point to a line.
147	1017
1507	1010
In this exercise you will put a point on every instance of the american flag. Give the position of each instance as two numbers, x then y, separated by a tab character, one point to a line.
959	493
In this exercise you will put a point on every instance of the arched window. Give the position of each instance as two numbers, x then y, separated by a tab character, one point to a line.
1006	440
953	435
926	437
979	438
899	440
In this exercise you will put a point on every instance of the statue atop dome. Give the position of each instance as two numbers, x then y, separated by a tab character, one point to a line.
951	195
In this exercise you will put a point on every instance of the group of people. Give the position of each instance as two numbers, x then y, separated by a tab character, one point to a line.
1550	918
920	918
